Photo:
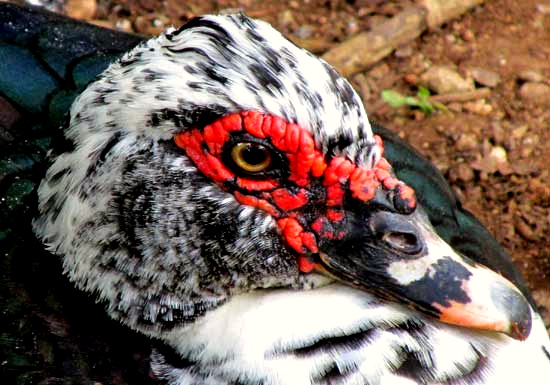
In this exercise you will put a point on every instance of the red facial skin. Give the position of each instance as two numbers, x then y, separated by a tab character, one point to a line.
305	162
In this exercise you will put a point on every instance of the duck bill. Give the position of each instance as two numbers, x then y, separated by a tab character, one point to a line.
416	267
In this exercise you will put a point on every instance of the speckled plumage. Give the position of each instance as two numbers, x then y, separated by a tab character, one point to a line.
125	160
174	256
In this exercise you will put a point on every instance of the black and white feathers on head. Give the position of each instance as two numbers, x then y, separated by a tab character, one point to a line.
125	195
175	256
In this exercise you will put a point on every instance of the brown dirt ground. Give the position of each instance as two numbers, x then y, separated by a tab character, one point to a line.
510	38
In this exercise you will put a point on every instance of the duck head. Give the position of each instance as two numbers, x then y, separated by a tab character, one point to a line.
218	159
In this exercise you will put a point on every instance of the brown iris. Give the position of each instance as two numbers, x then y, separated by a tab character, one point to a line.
251	157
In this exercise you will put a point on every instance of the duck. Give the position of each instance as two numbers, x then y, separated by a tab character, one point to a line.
223	191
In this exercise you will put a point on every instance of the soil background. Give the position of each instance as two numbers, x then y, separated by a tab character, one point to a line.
494	150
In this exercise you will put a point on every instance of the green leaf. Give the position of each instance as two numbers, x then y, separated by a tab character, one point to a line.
393	98
421	100
423	93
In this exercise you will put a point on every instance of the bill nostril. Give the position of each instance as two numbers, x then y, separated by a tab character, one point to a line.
403	242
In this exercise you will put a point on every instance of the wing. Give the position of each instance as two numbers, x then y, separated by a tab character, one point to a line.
45	61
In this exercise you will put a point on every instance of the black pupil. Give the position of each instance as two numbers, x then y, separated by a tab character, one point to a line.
254	154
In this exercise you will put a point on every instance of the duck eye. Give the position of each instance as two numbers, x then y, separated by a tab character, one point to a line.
251	157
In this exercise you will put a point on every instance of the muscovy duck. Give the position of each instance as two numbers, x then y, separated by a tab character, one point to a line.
225	194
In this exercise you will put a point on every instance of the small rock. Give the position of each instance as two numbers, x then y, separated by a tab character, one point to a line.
498	155
497	132
352	27
521	167
142	23
388	8
160	22
466	142
304	31
81	9
441	165
294	4
149	5
526	151
445	80
496	159
411	79
478	107
536	93
365	10
286	18
468	35
150	24
531	76
474	193
454	107
485	77
124	25
404	52
524	230
534	184
520	131
543	8
363	86
450	38
379	71
540	189
542	298
462	172
459	52
418	115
